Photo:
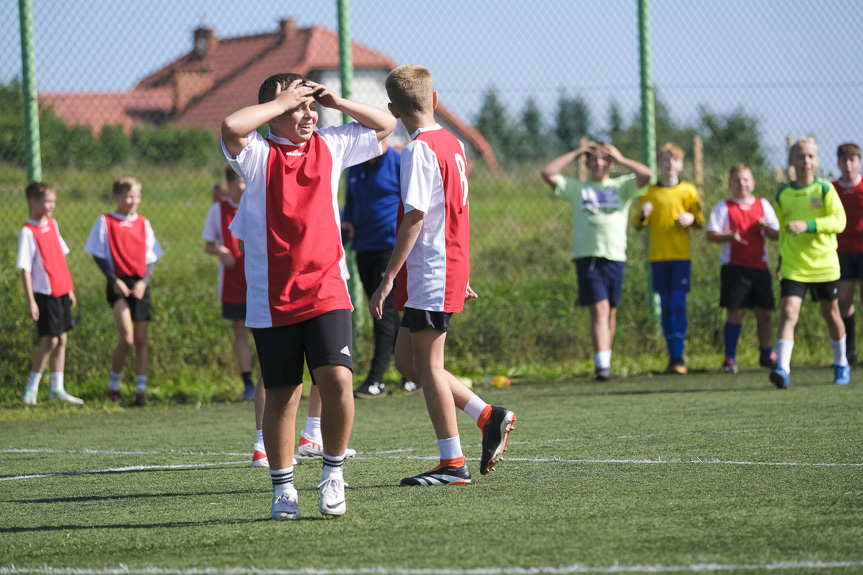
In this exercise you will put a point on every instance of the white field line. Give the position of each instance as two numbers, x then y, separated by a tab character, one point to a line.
121	470
562	570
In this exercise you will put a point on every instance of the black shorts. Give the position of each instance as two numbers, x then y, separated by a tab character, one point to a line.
827	291
850	267
599	279
140	308
233	311
419	319
743	287
55	314
321	341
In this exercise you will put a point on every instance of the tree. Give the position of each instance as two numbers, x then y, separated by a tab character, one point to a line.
534	138
573	122
495	125
731	139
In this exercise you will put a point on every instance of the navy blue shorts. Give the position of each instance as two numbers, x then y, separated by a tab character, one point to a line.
419	319
599	279
320	341
233	310
851	267
672	275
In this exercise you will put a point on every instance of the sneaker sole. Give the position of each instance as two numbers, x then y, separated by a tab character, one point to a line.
506	427
777	380
286	516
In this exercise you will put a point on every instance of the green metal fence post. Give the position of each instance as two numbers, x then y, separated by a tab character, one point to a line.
28	87
648	129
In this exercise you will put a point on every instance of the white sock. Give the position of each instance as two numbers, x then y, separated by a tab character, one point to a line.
57	382
334	466
313	427
114	382
474	407
283	480
141	384
259	436
603	359
450	448
839	351
783	353
33	381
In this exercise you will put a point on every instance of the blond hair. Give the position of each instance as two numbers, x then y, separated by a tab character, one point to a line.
737	168
673	149
124	185
801	142
410	88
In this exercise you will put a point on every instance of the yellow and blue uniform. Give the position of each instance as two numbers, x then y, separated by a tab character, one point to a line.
810	257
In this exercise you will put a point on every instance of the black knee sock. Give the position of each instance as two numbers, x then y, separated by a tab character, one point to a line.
247	378
850	341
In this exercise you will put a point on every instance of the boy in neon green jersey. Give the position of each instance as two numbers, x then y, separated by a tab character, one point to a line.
810	215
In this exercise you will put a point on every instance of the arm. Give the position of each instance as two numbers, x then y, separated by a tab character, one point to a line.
373	118
552	171
643	174
237	126
727	236
227	258
120	287
833	222
409	231
642	214
32	308
141	285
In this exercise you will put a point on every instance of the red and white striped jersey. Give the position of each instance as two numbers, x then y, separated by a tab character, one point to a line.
42	253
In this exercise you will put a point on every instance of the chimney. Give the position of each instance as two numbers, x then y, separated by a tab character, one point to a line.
205	40
287	28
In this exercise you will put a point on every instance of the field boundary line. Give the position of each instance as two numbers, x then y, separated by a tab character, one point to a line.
562	570
120	470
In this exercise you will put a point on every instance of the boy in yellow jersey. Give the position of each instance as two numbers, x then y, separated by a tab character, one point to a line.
671	207
810	215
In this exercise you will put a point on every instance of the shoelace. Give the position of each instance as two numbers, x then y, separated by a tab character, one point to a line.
330	485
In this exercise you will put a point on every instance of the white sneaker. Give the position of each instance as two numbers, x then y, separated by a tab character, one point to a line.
65	398
285	506
29	398
313	447
259	457
333	496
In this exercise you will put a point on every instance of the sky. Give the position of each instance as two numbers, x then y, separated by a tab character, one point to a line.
783	62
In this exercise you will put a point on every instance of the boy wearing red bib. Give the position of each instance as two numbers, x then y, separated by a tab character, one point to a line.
741	225
49	291
126	250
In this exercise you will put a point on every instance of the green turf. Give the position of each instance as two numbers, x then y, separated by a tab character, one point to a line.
651	470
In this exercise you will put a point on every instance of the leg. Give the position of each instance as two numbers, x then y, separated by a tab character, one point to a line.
600	325
371	267
280	414
731	335
830	313
764	326
142	348
125	331
336	404
428	353
58	356
241	345
45	351
846	310
260	400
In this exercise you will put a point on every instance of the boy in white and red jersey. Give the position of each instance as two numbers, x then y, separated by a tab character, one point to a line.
297	301
49	291
126	250
432	260
741	224
849	186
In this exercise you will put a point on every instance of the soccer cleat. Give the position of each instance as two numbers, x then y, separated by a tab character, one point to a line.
370	390
677	366
851	355
309	446
140	399
115	396
259	458
440	475
729	365
332	496
768	361
249	393
29	397
410	387
841	374
285	506
602	374
495	435
780	378
64	397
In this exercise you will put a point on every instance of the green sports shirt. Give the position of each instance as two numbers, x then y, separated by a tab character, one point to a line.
810	257
600	214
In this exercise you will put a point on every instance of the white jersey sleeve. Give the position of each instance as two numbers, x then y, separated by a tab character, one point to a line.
719	218
26	250
154	249
420	175
97	241
252	159
213	224
770	214
351	144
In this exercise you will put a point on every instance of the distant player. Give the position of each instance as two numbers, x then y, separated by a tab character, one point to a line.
850	242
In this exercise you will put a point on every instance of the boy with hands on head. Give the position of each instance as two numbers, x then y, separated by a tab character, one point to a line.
297	302
49	291
432	260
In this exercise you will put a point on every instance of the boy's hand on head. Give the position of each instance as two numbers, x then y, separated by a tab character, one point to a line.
139	288
685	219
296	94
797	227
323	96
612	152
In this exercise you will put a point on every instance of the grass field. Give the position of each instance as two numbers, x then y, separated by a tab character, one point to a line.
651	473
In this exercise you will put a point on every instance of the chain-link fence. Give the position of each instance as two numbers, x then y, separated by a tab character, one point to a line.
141	89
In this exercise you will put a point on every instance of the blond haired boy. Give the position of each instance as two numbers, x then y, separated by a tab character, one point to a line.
671	208
432	260
810	215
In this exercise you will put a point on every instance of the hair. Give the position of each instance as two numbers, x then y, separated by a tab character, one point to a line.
124	185
599	143
410	88
37	190
267	91
737	168
231	175
673	149
848	150
801	142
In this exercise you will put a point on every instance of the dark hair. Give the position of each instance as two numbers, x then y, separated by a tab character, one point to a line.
848	150
37	190
231	175
267	91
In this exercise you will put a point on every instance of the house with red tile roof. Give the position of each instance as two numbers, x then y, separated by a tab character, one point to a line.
218	76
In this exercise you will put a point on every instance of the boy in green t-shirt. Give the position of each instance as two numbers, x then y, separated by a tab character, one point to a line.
810	215
600	208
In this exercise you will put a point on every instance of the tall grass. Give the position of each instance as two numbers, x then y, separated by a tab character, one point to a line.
525	323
